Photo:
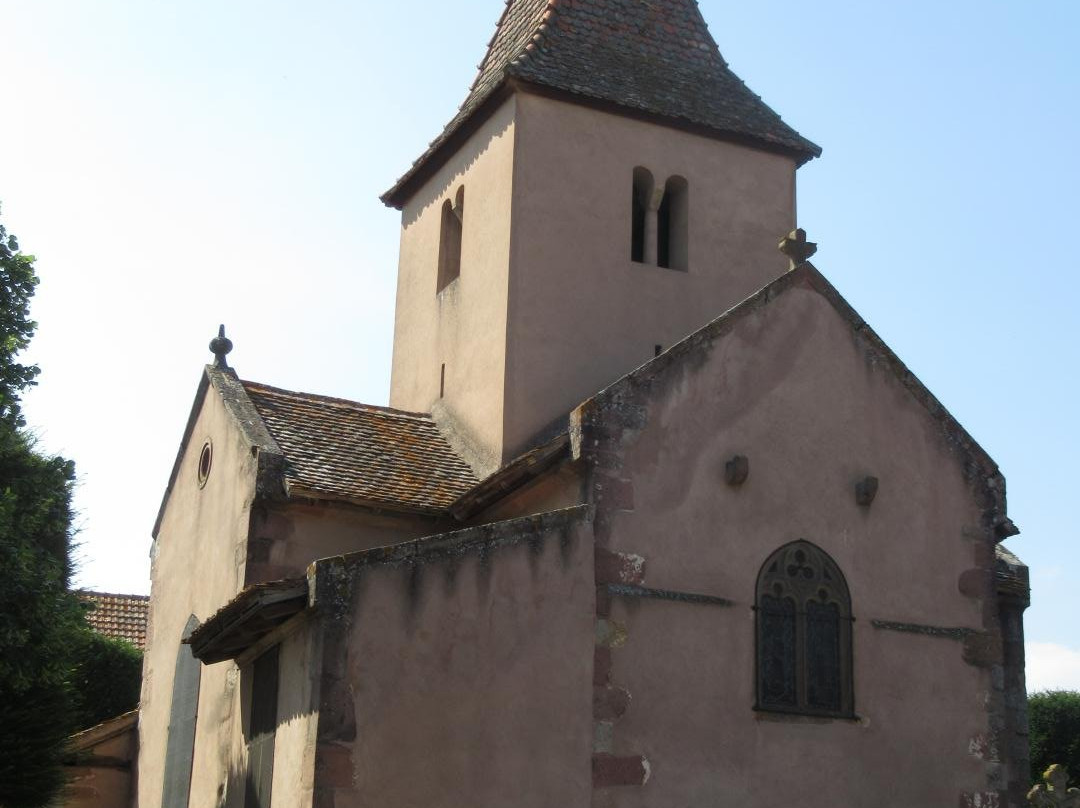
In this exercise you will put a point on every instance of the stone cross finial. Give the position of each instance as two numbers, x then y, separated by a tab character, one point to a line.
221	346
797	248
1055	794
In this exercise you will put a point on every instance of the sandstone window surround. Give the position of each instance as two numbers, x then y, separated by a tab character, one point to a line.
803	619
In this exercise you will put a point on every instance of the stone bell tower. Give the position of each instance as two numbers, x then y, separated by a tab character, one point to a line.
607	187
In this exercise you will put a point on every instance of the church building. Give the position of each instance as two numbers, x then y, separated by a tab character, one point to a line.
653	519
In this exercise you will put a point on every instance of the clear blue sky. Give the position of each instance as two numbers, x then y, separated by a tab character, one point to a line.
177	165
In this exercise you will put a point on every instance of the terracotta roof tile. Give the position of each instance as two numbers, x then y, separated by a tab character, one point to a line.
654	57
122	617
344	450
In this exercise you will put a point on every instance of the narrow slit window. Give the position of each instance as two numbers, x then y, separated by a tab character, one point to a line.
263	730
641	195
450	237
672	226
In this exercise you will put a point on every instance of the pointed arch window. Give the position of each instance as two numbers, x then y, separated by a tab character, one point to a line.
183	713
453	221
803	617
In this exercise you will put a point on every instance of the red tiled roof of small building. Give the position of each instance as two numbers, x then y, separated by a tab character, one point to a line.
121	617
374	456
656	58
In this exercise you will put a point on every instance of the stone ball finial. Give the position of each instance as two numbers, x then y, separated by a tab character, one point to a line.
221	346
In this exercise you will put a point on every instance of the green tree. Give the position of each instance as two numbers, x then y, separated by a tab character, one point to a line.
105	679
17	284
1054	718
40	620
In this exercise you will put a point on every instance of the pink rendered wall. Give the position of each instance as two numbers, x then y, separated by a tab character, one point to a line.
214	542
469	680
198	567
97	787
464	326
102	781
797	392
581	313
559	487
287	537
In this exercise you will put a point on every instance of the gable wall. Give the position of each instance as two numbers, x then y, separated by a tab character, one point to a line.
581	312
198	566
794	390
464	326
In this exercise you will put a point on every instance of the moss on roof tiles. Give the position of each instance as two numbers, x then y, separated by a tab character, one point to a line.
656	57
345	450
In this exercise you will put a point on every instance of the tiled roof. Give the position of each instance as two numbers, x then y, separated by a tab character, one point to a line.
654	57
119	616
247	618
375	456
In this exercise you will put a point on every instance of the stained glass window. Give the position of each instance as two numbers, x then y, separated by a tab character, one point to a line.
803	634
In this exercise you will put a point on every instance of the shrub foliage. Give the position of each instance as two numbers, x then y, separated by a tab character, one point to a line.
105	678
1054	718
41	620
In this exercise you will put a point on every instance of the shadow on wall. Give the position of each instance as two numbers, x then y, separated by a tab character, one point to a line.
465	159
231	792
428	581
245	780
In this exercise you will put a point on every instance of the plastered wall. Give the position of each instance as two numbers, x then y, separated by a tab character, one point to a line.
469	679
549	307
581	312
104	780
198	567
287	537
464	326
795	390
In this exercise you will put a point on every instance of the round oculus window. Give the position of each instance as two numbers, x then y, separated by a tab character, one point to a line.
206	460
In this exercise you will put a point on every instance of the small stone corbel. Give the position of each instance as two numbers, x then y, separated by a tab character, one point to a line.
1004	527
1055	792
737	470
865	491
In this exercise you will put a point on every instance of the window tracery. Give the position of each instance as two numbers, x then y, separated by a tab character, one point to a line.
803	616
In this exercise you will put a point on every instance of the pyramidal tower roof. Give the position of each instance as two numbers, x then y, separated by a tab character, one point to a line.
651	58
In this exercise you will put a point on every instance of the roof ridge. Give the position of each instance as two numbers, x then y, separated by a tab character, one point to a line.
334	401
91	592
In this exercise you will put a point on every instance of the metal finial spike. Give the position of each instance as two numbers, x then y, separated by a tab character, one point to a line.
221	346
